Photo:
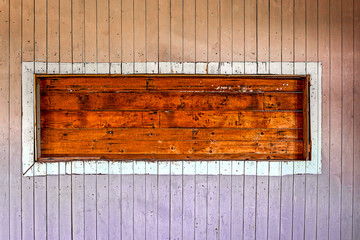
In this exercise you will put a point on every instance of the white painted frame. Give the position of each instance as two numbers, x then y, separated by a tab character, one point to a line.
262	168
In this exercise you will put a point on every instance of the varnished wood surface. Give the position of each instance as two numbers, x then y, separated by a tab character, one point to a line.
172	117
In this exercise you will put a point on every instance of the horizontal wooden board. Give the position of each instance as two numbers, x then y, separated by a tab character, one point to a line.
170	147
152	101
221	119
170	119
168	134
173	82
170	101
99	119
175	157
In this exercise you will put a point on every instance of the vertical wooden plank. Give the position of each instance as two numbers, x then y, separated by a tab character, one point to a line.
335	119
139	32
164	31
238	31
225	201
65	57
213	203
163	201
78	31
176	201
213	28
90	37
298	221
127	31
152	31
65	49
15	121
285	184
115	200
139	200
311	180
102	32
237	200
90	185
52	202
5	119
189	31
127	201
249	201
250	31
78	203
356	164
189	199
52	182
201	30
323	179
40	204
176	27
102	201
201	192
115	30
226	31
263	19
151	200
347	154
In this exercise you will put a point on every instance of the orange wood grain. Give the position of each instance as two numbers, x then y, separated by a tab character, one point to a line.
168	134
159	101
172	117
98	119
170	147
173	82
231	119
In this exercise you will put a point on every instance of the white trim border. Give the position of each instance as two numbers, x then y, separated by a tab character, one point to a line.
31	168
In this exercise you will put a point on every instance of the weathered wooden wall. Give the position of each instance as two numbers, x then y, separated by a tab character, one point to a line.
325	206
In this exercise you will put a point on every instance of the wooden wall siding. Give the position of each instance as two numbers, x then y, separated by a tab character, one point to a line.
128	206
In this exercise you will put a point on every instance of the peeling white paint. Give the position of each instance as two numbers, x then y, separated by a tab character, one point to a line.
31	168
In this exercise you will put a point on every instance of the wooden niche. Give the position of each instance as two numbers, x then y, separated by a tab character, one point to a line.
172	117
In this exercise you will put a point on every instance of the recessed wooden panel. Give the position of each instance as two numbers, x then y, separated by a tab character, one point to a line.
172	117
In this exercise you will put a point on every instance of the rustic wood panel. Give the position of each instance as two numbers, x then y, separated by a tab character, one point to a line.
175	116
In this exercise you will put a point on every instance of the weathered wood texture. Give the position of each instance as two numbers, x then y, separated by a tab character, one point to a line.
176	108
325	206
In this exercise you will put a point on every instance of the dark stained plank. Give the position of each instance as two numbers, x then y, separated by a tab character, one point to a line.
171	82
49	134
242	119
98	119
283	101
158	101
178	157
170	147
